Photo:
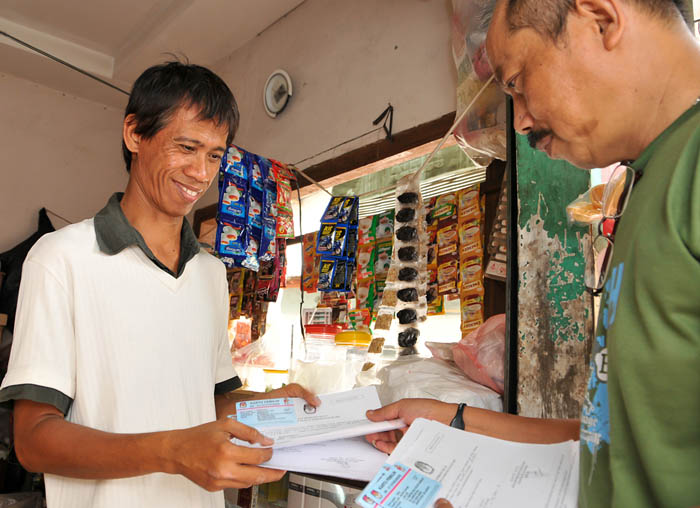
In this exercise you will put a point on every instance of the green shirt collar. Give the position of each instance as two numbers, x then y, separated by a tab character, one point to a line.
643	159
115	233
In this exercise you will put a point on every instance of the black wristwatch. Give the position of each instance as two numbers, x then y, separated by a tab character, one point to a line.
458	421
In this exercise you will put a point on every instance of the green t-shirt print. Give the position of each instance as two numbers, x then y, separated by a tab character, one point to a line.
640	421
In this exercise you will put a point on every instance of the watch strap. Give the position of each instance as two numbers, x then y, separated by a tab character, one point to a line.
458	421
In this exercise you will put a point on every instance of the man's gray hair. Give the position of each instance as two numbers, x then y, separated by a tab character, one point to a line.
548	17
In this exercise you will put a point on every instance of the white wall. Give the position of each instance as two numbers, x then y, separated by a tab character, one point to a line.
59	152
347	60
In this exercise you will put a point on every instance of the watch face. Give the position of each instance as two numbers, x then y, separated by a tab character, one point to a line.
277	92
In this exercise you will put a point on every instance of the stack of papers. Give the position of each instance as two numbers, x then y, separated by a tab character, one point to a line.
324	440
434	461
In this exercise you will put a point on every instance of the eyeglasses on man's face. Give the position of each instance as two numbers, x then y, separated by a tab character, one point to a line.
615	198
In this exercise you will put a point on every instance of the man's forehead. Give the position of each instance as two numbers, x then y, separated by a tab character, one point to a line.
187	121
497	47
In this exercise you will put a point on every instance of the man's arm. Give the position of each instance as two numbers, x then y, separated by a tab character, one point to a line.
46	442
479	421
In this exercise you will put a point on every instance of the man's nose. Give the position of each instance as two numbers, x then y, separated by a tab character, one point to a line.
522	120
199	169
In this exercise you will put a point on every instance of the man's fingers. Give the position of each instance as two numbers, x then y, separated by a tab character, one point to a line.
384	446
244	476
442	503
296	390
246	433
379	436
390	412
248	455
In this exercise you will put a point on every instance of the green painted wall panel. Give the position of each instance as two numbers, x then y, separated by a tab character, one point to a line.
555	321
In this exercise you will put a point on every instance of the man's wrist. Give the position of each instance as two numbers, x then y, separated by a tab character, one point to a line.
163	445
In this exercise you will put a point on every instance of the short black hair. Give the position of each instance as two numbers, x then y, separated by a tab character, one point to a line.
162	89
548	17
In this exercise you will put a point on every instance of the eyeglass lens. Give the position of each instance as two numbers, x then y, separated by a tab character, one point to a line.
615	198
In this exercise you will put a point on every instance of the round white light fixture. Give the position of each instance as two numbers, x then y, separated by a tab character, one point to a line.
277	92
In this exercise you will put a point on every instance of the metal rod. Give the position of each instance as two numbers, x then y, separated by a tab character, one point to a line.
63	62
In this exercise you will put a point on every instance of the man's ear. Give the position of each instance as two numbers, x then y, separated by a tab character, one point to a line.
607	17
131	138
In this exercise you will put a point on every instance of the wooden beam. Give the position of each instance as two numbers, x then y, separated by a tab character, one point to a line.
359	162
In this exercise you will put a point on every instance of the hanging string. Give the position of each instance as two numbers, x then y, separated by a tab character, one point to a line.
309	179
58	216
425	163
339	145
454	126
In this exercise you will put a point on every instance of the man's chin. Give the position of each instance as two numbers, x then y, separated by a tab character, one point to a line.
580	163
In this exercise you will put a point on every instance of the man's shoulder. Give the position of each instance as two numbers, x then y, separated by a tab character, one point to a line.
209	263
69	241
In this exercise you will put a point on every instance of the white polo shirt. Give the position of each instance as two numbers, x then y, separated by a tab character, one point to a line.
128	346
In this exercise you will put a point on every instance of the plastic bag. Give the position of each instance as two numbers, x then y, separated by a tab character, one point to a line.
22	500
482	133
480	354
587	208
415	377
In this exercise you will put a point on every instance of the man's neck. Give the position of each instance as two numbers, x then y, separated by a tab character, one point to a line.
160	231
674	90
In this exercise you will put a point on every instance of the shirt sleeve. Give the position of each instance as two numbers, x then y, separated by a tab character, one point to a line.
226	377
42	360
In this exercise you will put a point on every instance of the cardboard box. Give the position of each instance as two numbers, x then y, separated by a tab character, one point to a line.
306	491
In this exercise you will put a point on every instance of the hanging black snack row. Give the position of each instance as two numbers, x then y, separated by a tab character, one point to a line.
405	292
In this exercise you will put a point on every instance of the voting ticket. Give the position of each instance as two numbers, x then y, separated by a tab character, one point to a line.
398	486
266	413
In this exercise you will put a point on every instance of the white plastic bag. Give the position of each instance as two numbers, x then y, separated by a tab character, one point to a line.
415	377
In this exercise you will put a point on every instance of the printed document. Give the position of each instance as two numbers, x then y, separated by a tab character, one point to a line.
352	458
435	461
293	422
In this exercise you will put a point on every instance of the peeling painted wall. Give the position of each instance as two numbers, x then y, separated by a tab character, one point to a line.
555	317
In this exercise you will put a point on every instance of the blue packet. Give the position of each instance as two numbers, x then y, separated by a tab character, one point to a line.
351	243
230	237
325	274
232	196
233	162
252	248
255	209
347	213
268	243
268	174
324	241
269	202
340	276
269	208
333	209
340	236
255	172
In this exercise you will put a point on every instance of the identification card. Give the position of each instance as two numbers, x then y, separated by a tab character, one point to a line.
266	413
398	486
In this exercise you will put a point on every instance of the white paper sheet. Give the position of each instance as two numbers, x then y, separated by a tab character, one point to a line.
352	458
340	415
484	472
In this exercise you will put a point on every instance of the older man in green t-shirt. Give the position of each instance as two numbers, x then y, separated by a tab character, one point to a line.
597	82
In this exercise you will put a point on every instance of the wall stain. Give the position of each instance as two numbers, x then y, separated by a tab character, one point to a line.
555	322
